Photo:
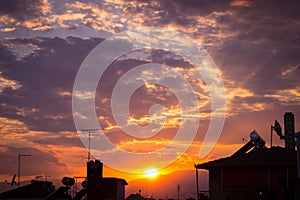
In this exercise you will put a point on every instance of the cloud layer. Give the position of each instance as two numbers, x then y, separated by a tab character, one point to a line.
43	43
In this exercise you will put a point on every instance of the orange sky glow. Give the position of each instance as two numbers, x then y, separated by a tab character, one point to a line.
43	44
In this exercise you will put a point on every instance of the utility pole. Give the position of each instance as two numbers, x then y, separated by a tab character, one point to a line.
197	183
19	167
178	190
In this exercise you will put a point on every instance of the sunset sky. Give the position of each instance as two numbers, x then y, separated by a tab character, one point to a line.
254	44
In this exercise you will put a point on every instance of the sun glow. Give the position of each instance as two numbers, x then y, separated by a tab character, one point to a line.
151	173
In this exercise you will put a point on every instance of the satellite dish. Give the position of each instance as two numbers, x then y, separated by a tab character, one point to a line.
68	181
277	128
84	184
13	180
257	140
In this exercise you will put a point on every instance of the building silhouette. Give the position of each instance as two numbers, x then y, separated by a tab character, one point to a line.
257	172
34	190
96	187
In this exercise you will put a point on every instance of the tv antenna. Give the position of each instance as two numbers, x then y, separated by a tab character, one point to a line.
19	167
89	131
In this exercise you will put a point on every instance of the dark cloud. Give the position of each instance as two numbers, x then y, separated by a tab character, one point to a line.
198	7
265	44
142	99
21	10
189	7
38	163
257	67
61	141
44	74
279	9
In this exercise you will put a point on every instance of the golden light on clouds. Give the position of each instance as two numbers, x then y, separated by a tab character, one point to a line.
143	146
235	103
7	83
25	112
45	7
288	96
69	15
8	126
81	94
7	20
144	120
238	92
39	23
8	29
241	3
43	44
289	70
94	16
64	93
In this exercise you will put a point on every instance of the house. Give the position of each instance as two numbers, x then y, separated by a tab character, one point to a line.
34	190
257	172
262	173
136	196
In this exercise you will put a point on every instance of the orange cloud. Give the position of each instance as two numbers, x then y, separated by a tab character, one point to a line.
143	146
240	3
7	83
287	96
8	29
7	20
11	126
45	7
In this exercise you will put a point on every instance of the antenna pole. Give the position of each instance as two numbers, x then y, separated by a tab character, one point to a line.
19	167
89	132
178	190
197	183
271	140
89	152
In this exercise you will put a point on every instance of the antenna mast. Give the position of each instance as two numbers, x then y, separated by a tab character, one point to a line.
90	130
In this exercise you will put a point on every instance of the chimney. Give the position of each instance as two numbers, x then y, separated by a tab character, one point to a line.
94	171
94	175
289	130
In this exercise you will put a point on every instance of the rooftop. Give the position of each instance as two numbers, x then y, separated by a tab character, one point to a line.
257	157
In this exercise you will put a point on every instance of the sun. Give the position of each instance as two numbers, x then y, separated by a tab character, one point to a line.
151	173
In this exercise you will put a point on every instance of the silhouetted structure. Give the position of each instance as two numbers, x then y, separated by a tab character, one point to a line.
255	141
257	172
63	191
103	188
289	130
34	190
136	196
97	188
